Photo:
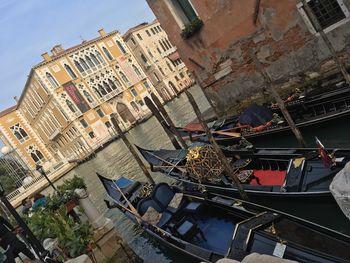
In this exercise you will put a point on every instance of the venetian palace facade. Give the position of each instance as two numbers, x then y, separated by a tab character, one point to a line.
158	58
64	110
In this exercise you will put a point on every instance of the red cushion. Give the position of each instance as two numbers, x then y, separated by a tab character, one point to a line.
269	177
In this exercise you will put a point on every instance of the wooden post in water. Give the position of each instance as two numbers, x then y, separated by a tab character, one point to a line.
168	120
270	87
131	148
162	122
217	149
318	28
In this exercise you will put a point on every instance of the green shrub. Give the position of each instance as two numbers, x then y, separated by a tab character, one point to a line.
191	28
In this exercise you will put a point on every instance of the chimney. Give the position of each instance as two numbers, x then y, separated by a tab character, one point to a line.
46	56
57	49
102	32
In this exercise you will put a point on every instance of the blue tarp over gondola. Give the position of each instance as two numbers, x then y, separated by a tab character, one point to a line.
255	116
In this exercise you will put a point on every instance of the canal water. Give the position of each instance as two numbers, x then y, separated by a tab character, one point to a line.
115	160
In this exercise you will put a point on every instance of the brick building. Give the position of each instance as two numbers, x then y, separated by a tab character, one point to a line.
215	39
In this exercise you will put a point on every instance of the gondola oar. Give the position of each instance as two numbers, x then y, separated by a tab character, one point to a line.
165	161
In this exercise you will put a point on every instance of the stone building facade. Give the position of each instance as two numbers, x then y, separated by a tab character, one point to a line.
220	36
158	58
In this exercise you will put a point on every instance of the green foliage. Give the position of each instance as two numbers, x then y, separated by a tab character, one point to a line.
73	238
52	220
191	28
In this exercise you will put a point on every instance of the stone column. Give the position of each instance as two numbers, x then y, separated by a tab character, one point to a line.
95	218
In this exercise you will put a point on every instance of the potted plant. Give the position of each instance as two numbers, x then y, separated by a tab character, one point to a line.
191	28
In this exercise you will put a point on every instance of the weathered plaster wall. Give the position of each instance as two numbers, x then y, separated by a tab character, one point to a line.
222	47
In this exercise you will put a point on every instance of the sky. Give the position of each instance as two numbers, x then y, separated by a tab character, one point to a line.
30	28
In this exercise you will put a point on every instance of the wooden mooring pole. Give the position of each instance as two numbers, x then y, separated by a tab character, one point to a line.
162	122
168	120
271	88
131	148
217	149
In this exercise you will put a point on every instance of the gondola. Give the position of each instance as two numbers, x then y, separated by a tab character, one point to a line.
259	122
280	178
209	227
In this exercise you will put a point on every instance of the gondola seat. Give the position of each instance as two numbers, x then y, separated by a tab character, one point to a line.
187	229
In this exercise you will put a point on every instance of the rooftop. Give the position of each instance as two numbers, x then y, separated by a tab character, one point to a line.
8	110
138	27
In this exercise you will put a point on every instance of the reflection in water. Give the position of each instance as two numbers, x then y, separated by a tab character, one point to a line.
115	160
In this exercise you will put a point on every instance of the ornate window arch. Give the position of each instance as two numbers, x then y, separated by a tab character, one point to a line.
19	132
99	57
89	61
112	84
79	67
108	55
70	71
84	64
137	71
36	155
51	80
94	59
71	106
124	78
122	49
88	96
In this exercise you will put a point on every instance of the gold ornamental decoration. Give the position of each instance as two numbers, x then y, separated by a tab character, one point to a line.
203	164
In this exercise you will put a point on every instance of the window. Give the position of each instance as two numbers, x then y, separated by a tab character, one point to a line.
83	123
100	113
89	61
100	58
122	49
108	124
137	71
156	77
156	29
144	59
133	92
168	43
148	33
71	106
182	75
145	83
141	103
124	78
153	32
94	59
91	134
330	14
150	53
162	45
70	71
87	96
159	28
79	67
51	80
161	71
186	8
159	50
177	78
133	41
139	36
83	63
109	56
19	132
36	155
134	106
111	84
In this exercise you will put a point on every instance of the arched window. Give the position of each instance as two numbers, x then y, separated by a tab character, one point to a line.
137	71
83	63
70	71
124	78
71	106
94	59
144	59
169	44
102	90
122	49
89	61
100	58
79	67
150	53
88	96
51	80
36	155
162	45
111	84
161	71
109	56
98	92
165	45
169	66
117	82
107	87
19	132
